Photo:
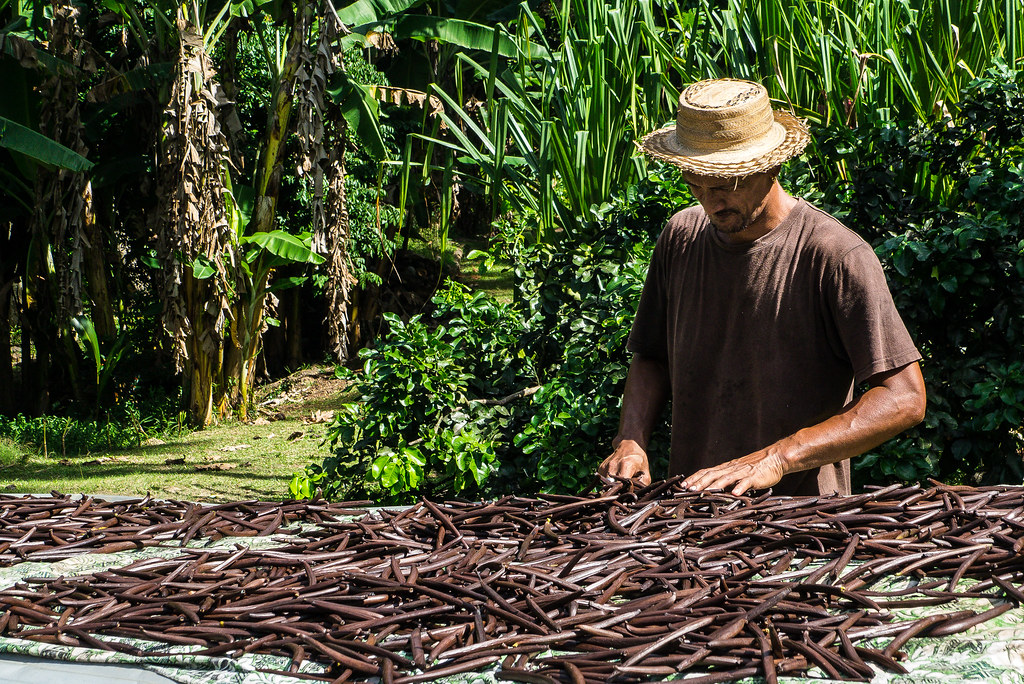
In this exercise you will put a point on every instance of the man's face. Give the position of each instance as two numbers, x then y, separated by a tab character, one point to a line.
731	204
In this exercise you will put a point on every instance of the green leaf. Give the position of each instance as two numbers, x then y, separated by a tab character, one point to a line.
86	329
294	248
149	259
379	463
358	13
203	267
364	12
22	139
905	471
466	34
287	283
242	8
240	200
961	448
360	109
1009	396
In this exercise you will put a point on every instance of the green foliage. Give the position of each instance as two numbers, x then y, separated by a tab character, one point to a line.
485	397
847	61
69	436
134	408
944	205
38	147
373	221
424	419
579	307
9	452
105	362
555	133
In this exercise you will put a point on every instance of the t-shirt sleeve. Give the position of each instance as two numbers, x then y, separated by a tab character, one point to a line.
869	326
648	336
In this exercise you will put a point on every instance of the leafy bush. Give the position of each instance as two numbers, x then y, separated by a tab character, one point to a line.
425	418
485	397
579	306
944	206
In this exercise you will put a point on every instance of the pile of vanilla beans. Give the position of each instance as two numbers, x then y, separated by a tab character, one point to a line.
625	585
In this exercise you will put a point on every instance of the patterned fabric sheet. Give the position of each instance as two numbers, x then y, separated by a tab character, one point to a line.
991	652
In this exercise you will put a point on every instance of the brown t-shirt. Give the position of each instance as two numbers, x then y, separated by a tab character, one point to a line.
765	338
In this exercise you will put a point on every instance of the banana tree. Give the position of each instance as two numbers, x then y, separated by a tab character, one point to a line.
260	255
194	238
54	247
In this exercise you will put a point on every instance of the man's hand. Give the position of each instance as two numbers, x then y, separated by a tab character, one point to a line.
644	396
627	461
759	470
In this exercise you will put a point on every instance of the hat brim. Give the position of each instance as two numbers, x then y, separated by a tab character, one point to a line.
662	144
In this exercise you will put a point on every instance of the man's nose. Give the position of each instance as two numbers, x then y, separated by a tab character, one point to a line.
714	200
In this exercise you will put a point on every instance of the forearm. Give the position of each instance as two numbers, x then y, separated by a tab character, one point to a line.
647	390
645	394
874	417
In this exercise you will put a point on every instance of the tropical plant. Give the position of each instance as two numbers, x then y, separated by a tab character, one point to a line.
956	272
483	397
553	138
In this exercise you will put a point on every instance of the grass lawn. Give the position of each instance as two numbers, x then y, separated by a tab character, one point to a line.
228	462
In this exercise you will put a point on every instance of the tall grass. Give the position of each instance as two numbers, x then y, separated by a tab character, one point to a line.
854	60
554	137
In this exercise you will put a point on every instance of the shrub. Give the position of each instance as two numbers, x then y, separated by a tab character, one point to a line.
426	418
484	397
944	206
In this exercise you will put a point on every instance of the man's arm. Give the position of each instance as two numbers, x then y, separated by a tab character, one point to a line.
895	401
647	390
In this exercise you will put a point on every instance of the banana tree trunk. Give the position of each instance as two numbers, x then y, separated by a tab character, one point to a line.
6	358
201	368
342	304
96	271
195	240
249	322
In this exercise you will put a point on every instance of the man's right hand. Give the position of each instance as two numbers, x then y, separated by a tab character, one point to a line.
627	461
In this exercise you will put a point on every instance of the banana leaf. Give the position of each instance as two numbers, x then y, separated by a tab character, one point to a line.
359	107
285	246
364	12
465	34
18	138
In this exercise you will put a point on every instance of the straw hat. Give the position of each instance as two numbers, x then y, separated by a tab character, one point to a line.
727	128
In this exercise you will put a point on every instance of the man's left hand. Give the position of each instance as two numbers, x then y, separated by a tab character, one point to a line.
759	470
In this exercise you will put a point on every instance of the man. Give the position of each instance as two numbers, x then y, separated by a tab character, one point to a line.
760	315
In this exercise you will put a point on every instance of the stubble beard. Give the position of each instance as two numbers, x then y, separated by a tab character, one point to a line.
734	228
